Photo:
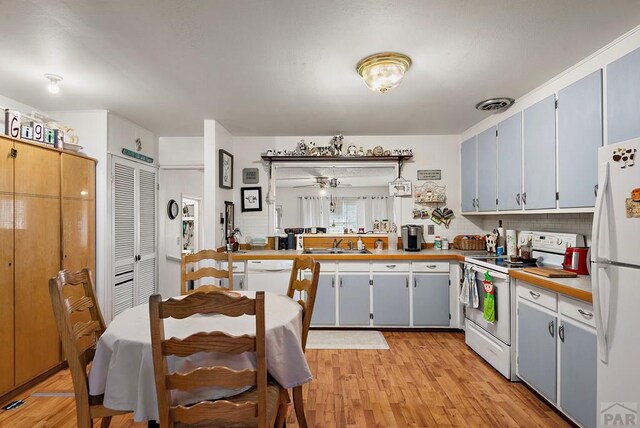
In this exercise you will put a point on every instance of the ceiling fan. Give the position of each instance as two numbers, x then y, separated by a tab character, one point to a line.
323	182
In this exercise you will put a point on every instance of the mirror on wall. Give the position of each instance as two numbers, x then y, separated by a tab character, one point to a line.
333	199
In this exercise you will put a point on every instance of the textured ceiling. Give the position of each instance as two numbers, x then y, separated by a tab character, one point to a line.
286	67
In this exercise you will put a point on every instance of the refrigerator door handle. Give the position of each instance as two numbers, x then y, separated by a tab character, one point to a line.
601	329
604	174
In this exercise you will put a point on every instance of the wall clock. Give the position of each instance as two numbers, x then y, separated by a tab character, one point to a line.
172	209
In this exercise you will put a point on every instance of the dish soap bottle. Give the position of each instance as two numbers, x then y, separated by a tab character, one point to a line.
360	244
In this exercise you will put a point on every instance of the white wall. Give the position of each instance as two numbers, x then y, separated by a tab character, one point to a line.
173	184
181	152
13	105
122	134
430	152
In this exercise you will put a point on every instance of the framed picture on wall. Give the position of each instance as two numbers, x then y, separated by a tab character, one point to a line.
226	169
228	219
251	198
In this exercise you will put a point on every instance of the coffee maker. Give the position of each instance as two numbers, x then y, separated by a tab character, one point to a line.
412	237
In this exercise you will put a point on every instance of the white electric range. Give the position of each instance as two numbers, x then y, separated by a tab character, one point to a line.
495	342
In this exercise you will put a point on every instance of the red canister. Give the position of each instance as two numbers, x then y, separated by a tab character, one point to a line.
576	259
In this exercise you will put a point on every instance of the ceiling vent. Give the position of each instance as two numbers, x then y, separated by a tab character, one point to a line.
495	105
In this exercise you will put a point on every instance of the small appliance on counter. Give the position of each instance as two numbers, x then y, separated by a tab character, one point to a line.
412	237
576	259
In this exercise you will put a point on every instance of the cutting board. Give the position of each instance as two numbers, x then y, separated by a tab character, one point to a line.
550	273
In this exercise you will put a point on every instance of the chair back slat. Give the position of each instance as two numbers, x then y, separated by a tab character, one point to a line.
206	272
221	410
191	272
307	287
208	342
205	376
223	303
78	305
82	329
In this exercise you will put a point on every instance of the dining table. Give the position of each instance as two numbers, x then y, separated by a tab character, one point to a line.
122	369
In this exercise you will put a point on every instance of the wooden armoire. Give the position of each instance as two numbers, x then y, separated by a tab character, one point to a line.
47	223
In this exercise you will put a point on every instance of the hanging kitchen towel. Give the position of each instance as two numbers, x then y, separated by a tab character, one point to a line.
489	299
475	297
465	297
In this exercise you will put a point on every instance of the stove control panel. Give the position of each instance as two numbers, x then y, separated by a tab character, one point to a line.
556	242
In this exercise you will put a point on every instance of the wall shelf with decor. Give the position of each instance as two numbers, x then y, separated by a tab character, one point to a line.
397	158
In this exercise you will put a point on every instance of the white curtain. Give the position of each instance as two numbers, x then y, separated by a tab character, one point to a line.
377	208
314	211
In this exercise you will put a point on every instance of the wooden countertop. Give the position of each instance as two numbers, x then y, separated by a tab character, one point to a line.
579	288
429	254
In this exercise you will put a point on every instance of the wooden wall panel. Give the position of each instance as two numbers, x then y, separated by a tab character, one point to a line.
37	258
37	171
78	177
6	291
78	235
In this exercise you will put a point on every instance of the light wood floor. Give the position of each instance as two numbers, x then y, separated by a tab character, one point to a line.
425	380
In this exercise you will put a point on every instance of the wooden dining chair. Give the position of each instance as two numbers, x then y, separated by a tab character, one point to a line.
80	325
215	257
263	405
307	289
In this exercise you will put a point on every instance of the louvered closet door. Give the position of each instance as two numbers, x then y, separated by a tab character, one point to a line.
134	219
123	174
146	283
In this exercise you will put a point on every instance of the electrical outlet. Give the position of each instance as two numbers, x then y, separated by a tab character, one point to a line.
431	229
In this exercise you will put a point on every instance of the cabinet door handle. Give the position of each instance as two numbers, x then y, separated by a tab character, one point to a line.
415	282
431	266
534	294
595	190
242	284
561	333
333	283
585	313
518	199
524	198
390	266
407	283
340	282
551	328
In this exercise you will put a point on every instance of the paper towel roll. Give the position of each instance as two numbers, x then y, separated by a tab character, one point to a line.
512	243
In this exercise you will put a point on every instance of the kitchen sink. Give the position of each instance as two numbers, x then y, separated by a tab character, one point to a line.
335	251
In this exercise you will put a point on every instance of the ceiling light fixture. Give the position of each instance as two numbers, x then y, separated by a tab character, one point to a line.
53	83
383	71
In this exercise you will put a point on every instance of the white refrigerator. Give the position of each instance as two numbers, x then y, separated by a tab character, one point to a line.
615	276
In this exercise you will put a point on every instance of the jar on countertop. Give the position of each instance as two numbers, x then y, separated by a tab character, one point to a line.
445	243
437	243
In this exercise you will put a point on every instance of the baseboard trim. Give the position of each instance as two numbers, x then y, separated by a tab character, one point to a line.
6	397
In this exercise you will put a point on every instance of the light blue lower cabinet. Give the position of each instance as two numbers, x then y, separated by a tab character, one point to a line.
578	373
537	353
391	299
353	294
431	300
324	309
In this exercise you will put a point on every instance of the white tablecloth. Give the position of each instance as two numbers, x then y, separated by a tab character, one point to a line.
122	369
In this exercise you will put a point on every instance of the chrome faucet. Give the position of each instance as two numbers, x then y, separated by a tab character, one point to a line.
336	243
350	244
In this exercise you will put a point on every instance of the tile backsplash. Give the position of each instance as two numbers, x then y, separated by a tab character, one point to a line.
567	223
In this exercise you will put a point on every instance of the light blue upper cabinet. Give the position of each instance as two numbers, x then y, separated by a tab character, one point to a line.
540	155
510	163
623	98
579	137
487	170
468	156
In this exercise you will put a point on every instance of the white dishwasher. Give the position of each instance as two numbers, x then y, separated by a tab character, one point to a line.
269	275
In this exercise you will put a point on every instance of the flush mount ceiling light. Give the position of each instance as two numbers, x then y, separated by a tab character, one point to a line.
383	71
495	105
53	83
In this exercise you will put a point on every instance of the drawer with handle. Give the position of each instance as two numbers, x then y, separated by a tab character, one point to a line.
237	266
577	310
430	266
534	294
390	267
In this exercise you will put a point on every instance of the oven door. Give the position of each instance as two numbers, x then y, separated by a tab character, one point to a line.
501	329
